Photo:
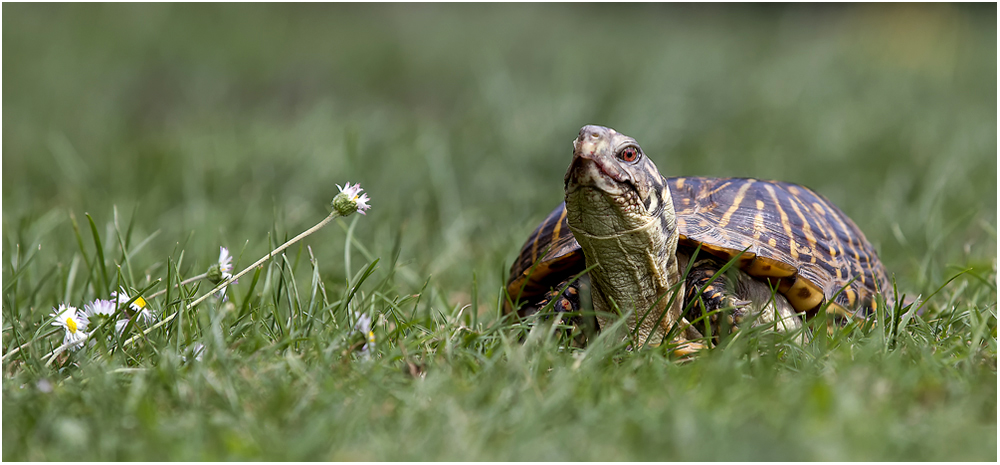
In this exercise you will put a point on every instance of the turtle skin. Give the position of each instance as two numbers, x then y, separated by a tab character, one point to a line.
778	232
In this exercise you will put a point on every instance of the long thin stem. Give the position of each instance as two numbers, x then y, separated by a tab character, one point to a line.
227	281
26	344
182	283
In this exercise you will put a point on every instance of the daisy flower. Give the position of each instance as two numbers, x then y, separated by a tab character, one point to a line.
225	262
350	200
370	343
139	305
100	307
221	270
74	322
364	326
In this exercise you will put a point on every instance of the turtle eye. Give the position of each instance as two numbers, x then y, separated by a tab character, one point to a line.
630	154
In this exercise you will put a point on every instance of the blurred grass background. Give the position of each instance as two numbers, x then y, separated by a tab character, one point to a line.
457	119
217	124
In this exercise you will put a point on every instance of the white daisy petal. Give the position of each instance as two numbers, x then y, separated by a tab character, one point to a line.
74	322
363	203
225	261
363	325
100	307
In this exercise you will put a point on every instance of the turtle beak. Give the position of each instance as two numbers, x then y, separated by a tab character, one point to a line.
594	164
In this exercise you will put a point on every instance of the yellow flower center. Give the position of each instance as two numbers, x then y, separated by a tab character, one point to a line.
371	336
71	325
140	302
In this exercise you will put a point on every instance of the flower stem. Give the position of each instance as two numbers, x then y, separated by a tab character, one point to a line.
229	280
26	344
182	283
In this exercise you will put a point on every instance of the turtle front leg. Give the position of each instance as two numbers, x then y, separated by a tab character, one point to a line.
733	300
717	308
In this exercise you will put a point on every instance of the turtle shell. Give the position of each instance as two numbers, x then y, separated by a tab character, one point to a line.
783	233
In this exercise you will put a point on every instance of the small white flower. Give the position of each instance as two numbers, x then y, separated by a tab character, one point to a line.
371	342
139	305
225	262
350	200
364	326
225	265
363	322
100	307
74	322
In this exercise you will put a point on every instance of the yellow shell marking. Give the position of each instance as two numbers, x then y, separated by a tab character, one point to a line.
850	244
819	209
833	236
851	296
792	246
558	226
716	190
766	267
804	295
836	309
807	230
736	203
534	247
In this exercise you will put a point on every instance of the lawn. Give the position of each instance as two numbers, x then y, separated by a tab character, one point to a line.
139	139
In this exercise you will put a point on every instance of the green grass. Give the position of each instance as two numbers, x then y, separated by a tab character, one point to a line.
182	128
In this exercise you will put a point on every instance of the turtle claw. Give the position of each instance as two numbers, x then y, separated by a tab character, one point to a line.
737	303
688	349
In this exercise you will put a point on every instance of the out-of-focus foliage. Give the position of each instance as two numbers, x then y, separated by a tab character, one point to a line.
458	118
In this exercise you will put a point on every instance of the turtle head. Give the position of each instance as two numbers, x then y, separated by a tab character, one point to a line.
611	186
620	212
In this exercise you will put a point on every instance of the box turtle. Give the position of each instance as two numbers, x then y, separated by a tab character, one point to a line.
635	232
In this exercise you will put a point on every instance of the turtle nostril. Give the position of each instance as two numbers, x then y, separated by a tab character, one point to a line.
595	132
